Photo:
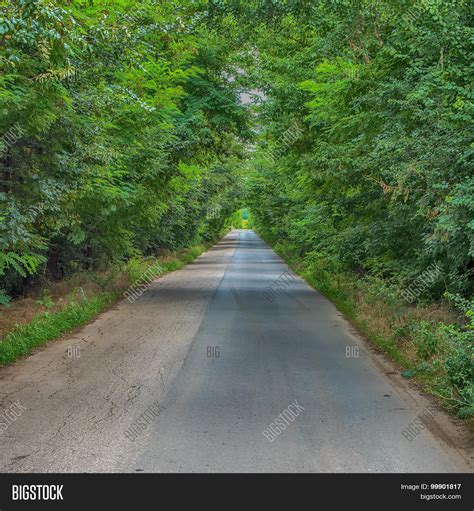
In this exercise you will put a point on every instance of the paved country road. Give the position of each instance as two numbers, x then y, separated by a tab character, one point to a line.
208	372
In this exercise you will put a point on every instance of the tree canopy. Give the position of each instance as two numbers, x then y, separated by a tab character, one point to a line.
123	132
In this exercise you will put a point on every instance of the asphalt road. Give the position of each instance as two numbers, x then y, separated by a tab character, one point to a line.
254	355
208	372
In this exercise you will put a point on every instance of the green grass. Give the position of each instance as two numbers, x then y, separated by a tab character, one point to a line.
48	326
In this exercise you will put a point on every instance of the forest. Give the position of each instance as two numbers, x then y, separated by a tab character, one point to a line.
124	137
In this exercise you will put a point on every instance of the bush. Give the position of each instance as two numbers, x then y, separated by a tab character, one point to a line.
425	338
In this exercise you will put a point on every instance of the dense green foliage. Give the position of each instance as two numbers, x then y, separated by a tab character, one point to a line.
128	134
379	177
122	135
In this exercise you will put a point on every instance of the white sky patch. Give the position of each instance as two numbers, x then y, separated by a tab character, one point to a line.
252	96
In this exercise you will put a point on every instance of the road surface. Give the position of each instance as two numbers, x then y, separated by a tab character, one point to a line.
209	372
